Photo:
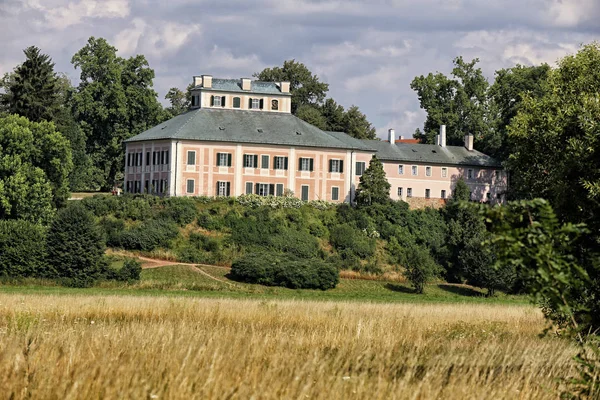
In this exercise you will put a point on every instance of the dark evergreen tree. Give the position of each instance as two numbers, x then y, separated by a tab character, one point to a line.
76	246
31	90
374	186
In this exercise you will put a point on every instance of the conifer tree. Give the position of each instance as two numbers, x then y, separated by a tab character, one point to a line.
374	186
31	91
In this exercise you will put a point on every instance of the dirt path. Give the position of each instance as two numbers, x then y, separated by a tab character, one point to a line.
148	263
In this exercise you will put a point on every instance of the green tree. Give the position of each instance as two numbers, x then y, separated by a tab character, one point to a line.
305	87
420	267
312	115
76	246
356	125
334	115
461	191
31	90
506	98
114	101
178	102
35	162
22	249
555	142
459	102
373	186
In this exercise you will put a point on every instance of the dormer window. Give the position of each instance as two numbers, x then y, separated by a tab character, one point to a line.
236	102
274	105
255	104
217	101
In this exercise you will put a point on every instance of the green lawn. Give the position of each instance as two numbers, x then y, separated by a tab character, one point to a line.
180	280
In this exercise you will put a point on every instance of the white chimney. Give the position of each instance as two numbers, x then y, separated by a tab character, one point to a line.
392	136
437	140
197	80
284	87
246	85
207	81
401	137
469	142
443	135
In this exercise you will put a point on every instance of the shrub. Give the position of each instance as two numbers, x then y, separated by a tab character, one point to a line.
345	238
75	246
149	235
299	243
22	249
200	249
181	210
113	230
275	270
420	267
130	271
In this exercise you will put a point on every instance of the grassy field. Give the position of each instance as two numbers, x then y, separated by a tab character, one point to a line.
75	347
207	281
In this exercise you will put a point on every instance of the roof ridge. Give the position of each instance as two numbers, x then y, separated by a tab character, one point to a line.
194	113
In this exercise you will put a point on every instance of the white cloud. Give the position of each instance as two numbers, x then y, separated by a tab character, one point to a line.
569	13
59	15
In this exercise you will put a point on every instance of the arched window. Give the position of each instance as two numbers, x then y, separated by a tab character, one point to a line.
236	102
274	105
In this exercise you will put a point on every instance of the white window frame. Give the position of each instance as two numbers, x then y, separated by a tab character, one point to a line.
307	192
255	104
276	162
251	158
443	194
409	192
362	169
304	164
427	193
188	157
268	161
264	188
401	169
444	172
427	171
220	160
335	166
187	186
217	101
251	188
222	188
400	190
415	170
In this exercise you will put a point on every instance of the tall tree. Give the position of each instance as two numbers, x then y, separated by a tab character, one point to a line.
34	165
373	186
506	98
459	102
305	87
556	147
31	90
334	115
312	115
356	125
178	102
114	101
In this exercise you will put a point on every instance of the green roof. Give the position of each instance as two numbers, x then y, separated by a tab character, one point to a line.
240	126
351	141
431	154
235	85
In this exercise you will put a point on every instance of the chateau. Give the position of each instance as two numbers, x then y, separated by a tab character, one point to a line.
239	137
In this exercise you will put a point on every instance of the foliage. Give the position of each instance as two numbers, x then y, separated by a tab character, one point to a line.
275	270
178	102
350	241
355	124
374	186
420	267
312	115
75	246
35	161
31	91
461	191
182	210
130	272
22	249
114	100
148	235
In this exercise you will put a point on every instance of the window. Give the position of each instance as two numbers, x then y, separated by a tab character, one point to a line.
264	162
217	100
190	186
248	187
360	168
409	192
250	161
223	188
162	157
166	157
280	163
147	158
305	164
146	187
279	191
304	192
264	189
415	170
255	103
274	105
444	172
236	102
191	158
443	195
497	174
400	169
223	160
335	193
194	103
469	174
427	171
427	193
488	196
336	166
399	192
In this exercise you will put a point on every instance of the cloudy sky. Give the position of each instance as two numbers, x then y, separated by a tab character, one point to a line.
368	51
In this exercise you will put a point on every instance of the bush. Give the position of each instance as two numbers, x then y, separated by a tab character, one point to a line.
130	271
149	235
22	249
76	246
181	210
299	243
345	238
420	267
275	270
200	249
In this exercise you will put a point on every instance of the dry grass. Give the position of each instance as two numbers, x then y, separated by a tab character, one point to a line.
67	347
